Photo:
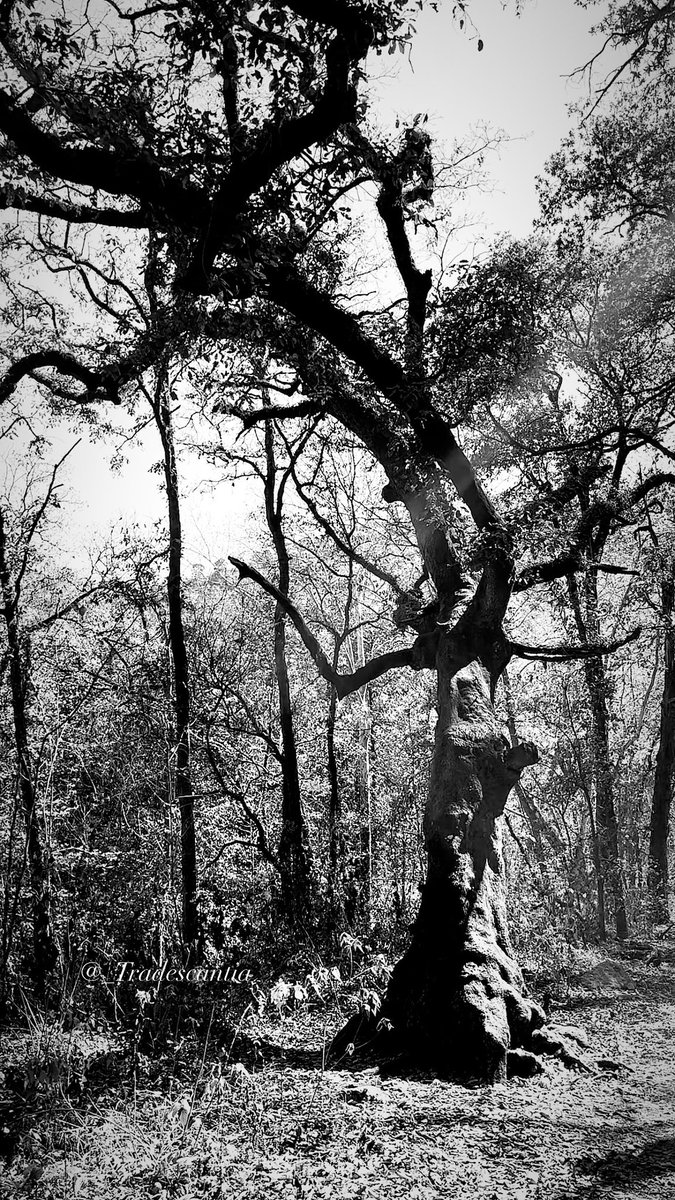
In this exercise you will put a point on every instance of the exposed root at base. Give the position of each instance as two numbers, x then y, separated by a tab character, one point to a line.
372	1039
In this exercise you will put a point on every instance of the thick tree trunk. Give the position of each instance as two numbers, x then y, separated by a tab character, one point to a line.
457	998
45	951
657	874
181	678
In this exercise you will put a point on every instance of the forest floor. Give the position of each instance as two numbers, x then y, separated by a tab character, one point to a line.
284	1126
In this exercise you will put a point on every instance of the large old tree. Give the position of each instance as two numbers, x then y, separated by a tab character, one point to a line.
234	133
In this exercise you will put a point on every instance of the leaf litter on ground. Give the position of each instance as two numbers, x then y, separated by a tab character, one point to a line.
283	1126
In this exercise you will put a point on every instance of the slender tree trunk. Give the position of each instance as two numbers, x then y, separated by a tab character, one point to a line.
657	875
606	825
336	841
538	826
363	806
457	998
335	831
45	951
609	880
293	853
181	675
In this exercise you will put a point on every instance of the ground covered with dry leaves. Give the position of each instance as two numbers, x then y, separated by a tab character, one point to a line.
279	1124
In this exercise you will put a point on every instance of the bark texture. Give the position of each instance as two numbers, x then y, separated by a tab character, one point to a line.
457	998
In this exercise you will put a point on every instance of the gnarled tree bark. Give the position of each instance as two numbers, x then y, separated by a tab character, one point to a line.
457	997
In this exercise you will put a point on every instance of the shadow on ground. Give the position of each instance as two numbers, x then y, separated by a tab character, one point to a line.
632	1166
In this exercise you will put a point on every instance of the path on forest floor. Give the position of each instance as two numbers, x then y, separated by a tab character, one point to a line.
288	1129
563	1136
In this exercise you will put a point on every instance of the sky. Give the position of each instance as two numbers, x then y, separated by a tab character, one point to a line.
518	84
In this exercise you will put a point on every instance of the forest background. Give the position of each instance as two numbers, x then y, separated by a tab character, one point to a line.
220	261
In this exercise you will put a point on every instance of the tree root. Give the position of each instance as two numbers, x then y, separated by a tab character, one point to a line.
523	1064
368	1038
549	1041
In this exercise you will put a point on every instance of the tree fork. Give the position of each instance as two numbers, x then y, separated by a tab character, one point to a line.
294	851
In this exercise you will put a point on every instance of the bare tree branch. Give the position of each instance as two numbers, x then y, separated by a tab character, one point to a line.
38	626
235	794
346	549
613	569
343	684
65	364
275	412
647	19
137	176
39	514
74	214
604	510
563	653
313	308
